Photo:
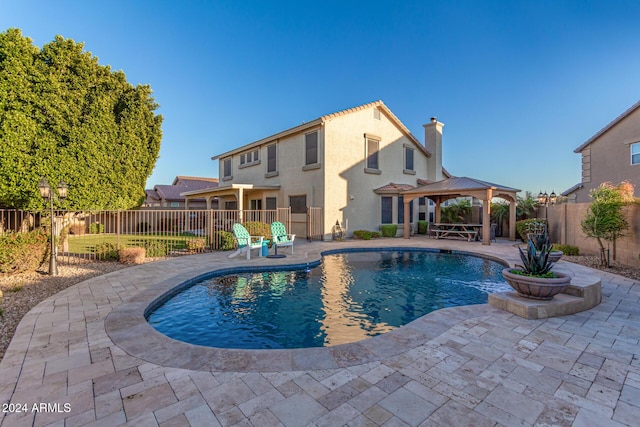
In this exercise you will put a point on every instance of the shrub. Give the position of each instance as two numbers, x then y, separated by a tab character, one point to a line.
365	234
96	228
133	255
224	240
256	228
423	227
567	249
389	230
196	245
105	251
64	235
522	226
22	251
77	229
155	248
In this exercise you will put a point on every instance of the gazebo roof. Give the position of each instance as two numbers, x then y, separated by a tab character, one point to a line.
458	185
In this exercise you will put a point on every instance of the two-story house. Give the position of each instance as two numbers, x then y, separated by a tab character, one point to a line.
169	196
612	154
353	164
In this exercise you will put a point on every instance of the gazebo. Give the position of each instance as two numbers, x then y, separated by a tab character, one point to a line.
454	187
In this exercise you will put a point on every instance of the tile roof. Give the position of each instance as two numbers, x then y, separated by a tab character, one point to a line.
393	188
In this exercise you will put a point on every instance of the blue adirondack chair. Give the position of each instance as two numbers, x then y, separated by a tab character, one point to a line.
280	236
245	241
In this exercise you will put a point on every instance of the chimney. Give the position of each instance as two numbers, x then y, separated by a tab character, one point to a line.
433	143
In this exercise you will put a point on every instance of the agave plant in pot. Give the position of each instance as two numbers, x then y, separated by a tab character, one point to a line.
534	278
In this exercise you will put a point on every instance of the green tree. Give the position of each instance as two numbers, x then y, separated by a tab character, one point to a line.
526	207
605	219
65	117
499	213
456	213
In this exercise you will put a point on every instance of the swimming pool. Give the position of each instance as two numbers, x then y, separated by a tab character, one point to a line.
348	297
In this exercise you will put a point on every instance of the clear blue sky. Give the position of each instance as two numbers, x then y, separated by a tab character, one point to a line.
518	84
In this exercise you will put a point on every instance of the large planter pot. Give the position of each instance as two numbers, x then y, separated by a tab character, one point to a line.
554	256
539	288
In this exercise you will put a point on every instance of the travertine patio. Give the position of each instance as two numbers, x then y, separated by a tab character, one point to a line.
474	365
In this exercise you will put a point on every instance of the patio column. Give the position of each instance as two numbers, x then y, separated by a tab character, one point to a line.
486	219
240	205
186	203
512	219
407	219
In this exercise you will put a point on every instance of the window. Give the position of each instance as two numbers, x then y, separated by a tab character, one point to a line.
271	203
231	205
422	201
372	147
387	210
408	159
255	205
226	168
401	210
635	153
174	204
298	204
311	148
272	152
250	158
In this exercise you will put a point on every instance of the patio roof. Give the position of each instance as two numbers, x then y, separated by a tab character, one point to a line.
458	186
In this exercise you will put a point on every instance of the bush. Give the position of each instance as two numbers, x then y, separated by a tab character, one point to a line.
196	245
567	249
105	251
96	228
256	228
224	240
423	227
64	235
389	230
133	255
523	225
155	248
21	252
365	234
77	229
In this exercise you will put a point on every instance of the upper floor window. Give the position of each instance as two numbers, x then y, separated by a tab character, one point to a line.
408	160
311	148
250	158
272	152
372	148
226	168
635	153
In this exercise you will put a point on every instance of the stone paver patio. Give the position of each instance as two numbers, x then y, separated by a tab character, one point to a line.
73	361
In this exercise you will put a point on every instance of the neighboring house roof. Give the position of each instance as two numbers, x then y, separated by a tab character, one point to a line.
321	120
572	189
181	184
607	127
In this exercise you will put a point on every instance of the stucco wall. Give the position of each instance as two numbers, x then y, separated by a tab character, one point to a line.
349	188
608	157
564	227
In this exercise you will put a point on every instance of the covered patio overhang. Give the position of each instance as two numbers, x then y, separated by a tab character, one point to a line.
235	190
454	187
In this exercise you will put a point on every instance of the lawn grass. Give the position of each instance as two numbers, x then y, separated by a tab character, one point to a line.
85	244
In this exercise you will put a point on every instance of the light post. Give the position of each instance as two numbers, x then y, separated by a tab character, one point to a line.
48	195
545	200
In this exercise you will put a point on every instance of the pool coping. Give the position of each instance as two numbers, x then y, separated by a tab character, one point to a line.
128	328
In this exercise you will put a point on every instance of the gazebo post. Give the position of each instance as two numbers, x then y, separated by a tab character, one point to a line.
512	219
486	219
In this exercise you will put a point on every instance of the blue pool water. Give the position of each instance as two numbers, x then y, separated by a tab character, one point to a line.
348	297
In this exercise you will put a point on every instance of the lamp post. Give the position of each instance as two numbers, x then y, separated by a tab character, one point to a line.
48	195
545	200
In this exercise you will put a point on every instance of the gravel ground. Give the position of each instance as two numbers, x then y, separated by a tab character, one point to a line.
24	291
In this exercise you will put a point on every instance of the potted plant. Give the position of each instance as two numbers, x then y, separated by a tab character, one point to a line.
540	240
534	279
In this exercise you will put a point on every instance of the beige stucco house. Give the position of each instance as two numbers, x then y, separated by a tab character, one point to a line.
353	164
612	154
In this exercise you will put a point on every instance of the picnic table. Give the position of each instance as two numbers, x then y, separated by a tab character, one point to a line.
466	231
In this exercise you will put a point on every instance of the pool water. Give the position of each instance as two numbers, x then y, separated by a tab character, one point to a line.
348	297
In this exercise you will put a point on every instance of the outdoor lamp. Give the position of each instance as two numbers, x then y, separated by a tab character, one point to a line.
542	198
47	195
553	198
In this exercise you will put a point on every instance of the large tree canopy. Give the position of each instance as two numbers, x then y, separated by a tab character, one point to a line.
65	117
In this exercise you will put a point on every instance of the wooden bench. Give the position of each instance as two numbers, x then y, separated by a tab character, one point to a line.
465	234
